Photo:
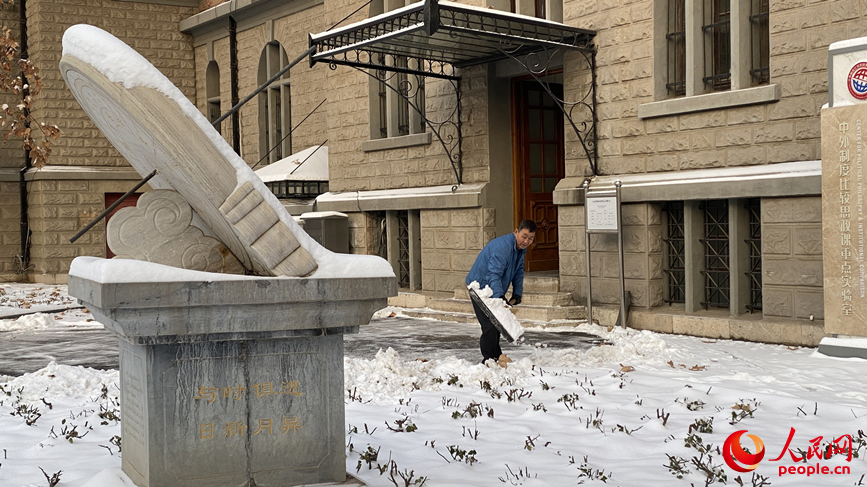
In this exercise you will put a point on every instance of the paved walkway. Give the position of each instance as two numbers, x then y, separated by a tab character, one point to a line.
22	352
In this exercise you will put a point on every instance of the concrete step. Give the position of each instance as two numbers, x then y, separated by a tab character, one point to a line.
531	299
540	284
452	305
522	312
441	315
549	313
471	318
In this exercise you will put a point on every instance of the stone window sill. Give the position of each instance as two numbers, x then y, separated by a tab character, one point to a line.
396	142
710	101
176	3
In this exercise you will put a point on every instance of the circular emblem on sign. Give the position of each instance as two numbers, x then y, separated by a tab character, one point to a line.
857	81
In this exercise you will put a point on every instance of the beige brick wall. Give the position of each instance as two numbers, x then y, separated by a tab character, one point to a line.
10	230
151	29
11	158
366	233
11	152
792	258
642	256
450	242
788	130
307	85
58	210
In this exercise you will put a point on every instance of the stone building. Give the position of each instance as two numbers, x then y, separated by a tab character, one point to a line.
84	171
706	111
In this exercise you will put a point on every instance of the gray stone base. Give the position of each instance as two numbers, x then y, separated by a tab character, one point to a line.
717	324
265	412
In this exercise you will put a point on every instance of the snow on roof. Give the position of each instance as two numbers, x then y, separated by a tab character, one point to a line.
308	165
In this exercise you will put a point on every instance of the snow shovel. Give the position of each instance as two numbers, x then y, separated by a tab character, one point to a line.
487	311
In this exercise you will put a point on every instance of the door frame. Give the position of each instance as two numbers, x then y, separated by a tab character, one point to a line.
517	152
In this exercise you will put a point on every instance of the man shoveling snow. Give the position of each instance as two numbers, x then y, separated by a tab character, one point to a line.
500	264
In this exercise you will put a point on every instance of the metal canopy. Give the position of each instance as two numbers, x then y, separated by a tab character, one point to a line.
435	37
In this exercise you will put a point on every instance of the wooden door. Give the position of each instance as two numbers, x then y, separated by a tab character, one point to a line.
538	167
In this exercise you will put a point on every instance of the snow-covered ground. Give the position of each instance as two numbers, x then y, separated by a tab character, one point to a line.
639	412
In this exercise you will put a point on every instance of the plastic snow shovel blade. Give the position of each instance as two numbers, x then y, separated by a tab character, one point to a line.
487	311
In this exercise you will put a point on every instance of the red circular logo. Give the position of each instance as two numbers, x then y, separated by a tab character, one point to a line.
857	81
735	456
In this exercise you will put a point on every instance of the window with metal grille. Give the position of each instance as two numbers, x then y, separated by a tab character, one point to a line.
755	243
717	42
407	89
403	248
274	105
716	253
419	103
297	189
402	105
674	248
212	92
761	49
676	44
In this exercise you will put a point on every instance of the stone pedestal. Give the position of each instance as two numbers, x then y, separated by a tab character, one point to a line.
229	382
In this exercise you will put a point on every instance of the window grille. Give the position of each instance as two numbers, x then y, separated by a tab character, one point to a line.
716	254
402	105
297	189
761	51
755	243
420	102
717	39
676	44
674	245
403	248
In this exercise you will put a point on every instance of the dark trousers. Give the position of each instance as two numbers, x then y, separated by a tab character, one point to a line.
489	342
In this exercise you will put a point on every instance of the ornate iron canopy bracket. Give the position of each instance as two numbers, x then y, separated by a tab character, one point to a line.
581	114
447	131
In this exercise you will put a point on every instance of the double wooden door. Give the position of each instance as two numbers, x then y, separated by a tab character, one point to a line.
538	166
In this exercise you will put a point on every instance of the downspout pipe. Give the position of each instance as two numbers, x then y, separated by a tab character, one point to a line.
25	222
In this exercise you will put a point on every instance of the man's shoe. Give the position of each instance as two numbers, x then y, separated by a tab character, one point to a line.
503	361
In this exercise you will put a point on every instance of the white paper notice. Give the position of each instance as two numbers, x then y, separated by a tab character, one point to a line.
601	213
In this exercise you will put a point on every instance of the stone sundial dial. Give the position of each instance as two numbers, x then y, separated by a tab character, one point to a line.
225	380
155	131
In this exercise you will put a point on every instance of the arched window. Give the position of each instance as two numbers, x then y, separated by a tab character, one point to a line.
212	92
275	119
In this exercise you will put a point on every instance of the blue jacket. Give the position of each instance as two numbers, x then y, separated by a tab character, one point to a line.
499	264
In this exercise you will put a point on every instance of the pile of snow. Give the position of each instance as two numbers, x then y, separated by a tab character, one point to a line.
36	321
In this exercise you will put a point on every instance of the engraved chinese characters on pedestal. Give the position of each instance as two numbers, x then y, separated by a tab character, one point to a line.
159	229
843	219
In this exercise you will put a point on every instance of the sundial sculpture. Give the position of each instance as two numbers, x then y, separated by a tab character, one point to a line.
226	379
